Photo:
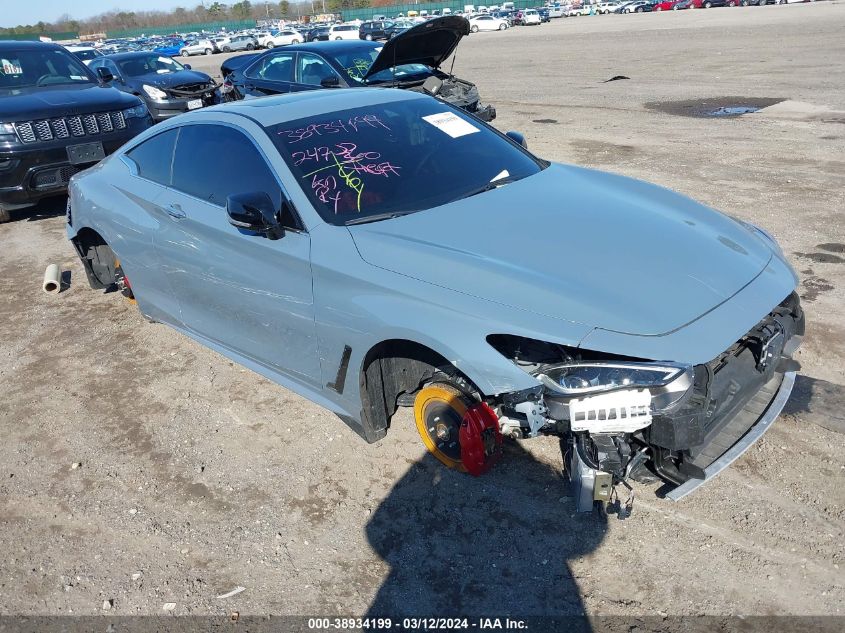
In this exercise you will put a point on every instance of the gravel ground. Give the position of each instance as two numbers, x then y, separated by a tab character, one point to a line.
143	474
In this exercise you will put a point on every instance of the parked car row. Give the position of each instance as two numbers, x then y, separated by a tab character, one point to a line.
648	6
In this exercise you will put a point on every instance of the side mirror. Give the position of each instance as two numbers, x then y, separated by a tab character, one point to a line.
254	212
186	66
517	137
330	82
104	74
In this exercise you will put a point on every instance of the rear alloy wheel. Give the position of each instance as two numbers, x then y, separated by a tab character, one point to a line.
185	54
474	28
639	9
502	27
439	409
249	47
707	5
208	51
226	49
368	37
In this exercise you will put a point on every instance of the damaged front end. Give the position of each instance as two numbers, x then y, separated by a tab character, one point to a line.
624	418
459	93
431	43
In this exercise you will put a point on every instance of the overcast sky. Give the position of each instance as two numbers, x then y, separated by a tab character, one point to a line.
14	12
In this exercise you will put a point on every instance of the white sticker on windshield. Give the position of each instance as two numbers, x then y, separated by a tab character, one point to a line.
450	123
11	67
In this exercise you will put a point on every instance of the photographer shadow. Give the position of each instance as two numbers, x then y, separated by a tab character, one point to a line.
492	546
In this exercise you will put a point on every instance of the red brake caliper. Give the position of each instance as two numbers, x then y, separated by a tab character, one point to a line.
480	438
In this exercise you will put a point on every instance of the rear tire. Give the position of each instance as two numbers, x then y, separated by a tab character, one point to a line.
185	54
5	215
226	49
474	28
707	5
502	27
368	37
249	47
208	51
294	41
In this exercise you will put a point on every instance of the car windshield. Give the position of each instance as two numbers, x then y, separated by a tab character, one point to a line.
149	65
26	68
364	164
86	53
356	64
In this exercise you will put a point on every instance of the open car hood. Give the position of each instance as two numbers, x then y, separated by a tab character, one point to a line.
428	43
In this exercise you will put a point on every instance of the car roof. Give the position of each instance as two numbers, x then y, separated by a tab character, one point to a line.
27	45
276	109
132	55
338	46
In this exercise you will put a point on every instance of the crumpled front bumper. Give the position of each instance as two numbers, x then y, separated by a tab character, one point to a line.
754	433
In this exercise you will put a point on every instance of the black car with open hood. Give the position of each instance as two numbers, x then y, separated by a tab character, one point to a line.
56	119
410	60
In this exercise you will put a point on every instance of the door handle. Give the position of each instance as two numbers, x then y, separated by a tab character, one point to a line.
174	210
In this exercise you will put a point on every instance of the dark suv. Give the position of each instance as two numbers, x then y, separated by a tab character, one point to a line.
55	120
376	30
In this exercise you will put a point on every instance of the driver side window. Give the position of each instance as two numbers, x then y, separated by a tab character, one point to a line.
277	67
311	69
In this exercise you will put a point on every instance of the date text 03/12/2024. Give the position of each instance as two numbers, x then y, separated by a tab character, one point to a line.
416	624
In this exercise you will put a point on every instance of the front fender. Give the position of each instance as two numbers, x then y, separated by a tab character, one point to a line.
360	305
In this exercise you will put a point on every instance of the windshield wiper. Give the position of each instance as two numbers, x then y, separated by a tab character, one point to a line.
493	184
376	218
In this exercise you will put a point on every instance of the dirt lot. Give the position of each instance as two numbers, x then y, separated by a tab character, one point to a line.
198	476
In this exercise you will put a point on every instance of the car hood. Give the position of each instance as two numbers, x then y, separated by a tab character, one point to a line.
171	80
581	245
68	100
428	43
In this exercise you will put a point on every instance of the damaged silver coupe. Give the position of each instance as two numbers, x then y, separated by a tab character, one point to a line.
373	249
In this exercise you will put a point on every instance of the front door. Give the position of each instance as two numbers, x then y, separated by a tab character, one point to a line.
244	291
271	75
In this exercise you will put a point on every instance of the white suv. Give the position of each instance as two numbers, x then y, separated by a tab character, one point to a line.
197	47
344	32
605	8
283	38
584	9
530	16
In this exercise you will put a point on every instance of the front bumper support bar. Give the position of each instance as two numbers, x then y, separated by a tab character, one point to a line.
754	434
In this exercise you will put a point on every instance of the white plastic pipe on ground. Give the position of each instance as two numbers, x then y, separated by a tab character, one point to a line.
52	279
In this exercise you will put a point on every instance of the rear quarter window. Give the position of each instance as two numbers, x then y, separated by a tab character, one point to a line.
153	158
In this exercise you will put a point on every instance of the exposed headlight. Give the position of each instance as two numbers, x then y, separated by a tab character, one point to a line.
667	382
136	112
155	93
7	132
